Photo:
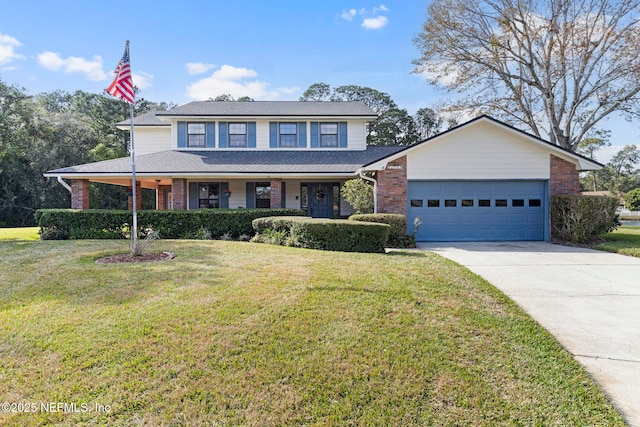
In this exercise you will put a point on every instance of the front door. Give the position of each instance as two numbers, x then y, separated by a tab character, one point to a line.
320	197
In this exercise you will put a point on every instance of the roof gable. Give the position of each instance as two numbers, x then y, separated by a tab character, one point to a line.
582	163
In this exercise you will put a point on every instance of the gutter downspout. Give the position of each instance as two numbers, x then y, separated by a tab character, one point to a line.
64	184
375	188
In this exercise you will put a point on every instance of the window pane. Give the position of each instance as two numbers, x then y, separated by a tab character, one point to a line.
416	203
329	128
501	203
328	140
517	203
288	141
263	190
237	140
196	141
433	203
467	203
237	128
450	203
288	128
195	128
484	203
535	203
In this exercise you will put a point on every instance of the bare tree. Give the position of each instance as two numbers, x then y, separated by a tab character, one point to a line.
558	67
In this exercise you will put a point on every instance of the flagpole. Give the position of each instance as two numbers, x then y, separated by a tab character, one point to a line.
133	187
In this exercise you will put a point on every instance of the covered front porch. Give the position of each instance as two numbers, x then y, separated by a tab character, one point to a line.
320	196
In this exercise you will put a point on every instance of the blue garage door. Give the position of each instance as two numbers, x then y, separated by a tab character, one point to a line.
478	210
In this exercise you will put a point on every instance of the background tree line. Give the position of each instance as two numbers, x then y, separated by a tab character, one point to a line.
53	130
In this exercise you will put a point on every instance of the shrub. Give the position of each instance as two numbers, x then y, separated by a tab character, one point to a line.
632	200
170	224
317	233
359	194
581	218
398	237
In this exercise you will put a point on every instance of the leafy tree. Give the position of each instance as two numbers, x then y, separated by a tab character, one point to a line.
317	92
359	194
228	97
557	67
621	174
427	123
380	102
393	127
588	148
632	199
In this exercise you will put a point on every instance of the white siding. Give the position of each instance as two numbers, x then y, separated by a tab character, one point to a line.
292	194
357	134
479	152
238	194
152	140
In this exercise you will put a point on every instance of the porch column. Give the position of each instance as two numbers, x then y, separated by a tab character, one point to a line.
161	194
276	193
80	194
179	193
138	198
392	187
565	179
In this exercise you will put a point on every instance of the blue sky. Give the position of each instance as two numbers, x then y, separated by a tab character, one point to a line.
192	50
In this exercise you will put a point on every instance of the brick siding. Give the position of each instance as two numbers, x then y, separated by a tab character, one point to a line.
138	198
392	187
80	194
565	178
276	193
179	193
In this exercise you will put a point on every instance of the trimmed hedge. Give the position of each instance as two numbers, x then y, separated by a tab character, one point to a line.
398	237
326	234
170	224
576	218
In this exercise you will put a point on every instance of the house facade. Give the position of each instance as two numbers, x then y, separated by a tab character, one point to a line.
482	180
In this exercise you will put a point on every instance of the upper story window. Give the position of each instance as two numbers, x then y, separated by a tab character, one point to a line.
288	135
237	135
328	134
196	134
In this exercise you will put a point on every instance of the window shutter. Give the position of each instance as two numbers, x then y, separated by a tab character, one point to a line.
342	141
302	134
315	134
222	129
251	134
211	135
193	195
224	200
182	134
273	134
251	197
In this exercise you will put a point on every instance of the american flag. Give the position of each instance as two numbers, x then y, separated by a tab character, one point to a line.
122	85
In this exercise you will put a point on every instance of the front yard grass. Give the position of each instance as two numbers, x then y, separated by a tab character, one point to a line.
233	333
625	240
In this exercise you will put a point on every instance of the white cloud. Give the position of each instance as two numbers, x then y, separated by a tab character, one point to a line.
142	80
374	23
7	47
237	82
348	15
198	67
92	69
371	19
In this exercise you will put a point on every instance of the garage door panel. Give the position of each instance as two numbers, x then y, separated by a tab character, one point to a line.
479	210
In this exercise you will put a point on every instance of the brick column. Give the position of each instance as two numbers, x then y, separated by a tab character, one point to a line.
80	194
564	179
276	193
161	194
392	187
179	193
138	198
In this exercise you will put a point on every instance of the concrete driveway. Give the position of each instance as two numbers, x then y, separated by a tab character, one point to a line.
589	300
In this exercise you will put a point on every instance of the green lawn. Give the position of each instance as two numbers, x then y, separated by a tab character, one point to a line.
233	333
625	240
21	233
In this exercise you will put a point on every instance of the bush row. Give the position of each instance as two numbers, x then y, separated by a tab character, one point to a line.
398	237
579	219
170	224
326	234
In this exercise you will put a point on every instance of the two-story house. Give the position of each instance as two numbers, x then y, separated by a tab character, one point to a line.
482	180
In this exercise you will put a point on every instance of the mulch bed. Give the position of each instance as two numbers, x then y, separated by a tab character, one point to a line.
127	258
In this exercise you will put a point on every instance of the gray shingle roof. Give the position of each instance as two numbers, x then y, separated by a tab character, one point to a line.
216	162
148	119
270	108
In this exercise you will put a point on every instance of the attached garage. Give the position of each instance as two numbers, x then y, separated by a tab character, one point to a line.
499	210
480	181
